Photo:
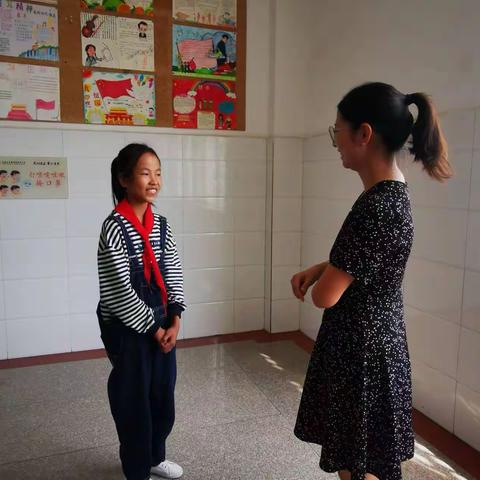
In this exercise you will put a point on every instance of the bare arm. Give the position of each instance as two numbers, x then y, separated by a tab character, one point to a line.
330	287
302	281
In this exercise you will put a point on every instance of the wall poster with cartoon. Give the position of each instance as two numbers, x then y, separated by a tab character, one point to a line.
138	7
119	98
117	42
33	177
28	30
207	12
29	92
204	104
204	53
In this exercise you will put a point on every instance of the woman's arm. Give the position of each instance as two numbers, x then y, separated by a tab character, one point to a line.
302	281
330	287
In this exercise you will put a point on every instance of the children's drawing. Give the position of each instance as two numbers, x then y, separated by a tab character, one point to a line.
205	53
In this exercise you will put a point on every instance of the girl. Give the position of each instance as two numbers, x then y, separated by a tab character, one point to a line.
357	399
141	301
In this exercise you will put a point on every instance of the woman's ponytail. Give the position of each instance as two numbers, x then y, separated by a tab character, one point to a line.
428	144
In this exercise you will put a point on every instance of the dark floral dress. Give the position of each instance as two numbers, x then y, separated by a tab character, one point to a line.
357	397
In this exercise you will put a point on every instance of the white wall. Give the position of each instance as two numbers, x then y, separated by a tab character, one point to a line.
428	45
286	232
214	197
417	46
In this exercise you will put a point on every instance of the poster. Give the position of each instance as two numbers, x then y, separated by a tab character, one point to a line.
204	104
28	30
139	7
209	12
33	177
117	42
29	92
205	53
119	98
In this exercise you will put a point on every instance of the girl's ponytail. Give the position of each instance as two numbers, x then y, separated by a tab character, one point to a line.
118	192
428	144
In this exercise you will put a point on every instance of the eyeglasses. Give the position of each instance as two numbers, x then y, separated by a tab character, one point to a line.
333	131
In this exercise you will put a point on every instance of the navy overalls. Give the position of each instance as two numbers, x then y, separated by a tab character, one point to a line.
142	382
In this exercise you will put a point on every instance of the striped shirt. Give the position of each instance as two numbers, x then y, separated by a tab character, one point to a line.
118	299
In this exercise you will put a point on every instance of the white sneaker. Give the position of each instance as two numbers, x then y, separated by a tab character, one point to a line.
167	469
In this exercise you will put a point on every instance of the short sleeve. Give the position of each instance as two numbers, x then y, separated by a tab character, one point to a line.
363	243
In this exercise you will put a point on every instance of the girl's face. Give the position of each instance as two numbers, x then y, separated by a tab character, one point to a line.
91	51
146	180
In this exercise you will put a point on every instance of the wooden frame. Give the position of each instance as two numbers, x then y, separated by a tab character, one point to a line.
71	68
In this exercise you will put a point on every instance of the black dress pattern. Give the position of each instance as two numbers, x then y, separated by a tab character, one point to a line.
357	396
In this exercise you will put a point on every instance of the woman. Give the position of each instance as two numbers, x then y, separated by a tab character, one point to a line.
357	398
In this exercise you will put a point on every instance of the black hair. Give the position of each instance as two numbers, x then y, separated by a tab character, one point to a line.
14	187
142	23
2	172
88	46
124	164
386	110
14	172
3	187
225	36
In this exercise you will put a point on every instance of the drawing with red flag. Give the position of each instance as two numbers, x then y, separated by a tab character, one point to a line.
115	88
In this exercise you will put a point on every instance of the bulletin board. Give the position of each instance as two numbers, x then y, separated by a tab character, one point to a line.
73	73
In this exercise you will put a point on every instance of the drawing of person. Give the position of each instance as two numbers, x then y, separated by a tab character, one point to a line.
3	190
220	120
226	19
221	50
15	176
15	189
3	175
91	59
142	29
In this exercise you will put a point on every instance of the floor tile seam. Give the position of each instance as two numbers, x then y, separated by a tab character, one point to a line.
313	450
57	454
257	387
243	420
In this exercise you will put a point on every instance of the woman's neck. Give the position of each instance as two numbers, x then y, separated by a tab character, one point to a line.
377	171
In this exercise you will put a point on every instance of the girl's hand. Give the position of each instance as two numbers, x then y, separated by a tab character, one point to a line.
159	334
169	340
302	281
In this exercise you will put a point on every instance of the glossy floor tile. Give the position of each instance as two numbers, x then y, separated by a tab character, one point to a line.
236	408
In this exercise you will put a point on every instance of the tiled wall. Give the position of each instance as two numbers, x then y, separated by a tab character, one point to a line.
286	232
213	195
442	284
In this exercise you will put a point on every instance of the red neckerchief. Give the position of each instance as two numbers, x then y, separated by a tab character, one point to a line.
149	260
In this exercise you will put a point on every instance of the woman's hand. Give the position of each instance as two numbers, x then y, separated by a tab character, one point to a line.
302	281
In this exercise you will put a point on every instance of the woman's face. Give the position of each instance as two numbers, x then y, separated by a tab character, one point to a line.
146	180
351	144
